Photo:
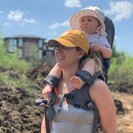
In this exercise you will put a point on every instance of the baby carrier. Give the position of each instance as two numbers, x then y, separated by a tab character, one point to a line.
75	96
110	30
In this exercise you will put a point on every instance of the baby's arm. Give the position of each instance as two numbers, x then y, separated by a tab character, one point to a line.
106	51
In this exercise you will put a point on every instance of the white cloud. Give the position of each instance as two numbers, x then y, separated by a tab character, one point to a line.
120	10
18	16
58	25
28	21
72	3
15	15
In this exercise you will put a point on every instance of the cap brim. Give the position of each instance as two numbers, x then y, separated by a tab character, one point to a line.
64	42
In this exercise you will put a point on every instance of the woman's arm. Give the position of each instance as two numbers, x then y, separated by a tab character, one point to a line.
43	127
102	97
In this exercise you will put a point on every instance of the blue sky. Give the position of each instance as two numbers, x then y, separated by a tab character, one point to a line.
49	18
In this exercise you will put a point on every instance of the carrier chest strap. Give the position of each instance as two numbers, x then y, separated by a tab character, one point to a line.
80	98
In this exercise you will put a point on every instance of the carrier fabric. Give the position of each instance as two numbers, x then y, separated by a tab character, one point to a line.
72	120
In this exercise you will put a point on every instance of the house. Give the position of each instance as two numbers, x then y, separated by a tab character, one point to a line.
26	44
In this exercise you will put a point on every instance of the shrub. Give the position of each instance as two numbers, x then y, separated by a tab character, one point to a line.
121	69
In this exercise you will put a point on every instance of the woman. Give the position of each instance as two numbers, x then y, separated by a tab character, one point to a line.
70	49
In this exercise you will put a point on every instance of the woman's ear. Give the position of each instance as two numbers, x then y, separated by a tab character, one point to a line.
81	53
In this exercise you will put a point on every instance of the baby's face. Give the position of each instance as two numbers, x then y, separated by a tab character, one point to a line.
89	24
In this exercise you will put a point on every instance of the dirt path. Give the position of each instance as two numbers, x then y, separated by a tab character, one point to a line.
125	122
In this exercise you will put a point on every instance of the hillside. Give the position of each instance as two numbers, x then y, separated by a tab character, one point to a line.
18	113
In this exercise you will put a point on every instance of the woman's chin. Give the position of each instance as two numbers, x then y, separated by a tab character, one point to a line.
60	64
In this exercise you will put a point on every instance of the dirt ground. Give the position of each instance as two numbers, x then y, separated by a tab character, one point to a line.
20	115
125	121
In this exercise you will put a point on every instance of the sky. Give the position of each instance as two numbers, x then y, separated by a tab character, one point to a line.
49	18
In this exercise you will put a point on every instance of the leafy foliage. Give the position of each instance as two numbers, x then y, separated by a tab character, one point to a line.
121	69
34	60
11	60
13	70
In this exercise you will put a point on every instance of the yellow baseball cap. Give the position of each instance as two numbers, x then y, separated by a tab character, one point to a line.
71	38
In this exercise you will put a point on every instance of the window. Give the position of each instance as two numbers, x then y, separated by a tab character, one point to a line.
20	42
40	54
12	43
20	53
44	47
40	43
51	48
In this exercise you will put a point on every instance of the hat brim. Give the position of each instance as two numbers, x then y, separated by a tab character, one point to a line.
54	43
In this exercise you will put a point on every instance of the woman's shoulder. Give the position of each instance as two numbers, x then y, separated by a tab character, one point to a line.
99	90
99	85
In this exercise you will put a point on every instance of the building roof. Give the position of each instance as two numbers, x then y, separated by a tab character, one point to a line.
24	36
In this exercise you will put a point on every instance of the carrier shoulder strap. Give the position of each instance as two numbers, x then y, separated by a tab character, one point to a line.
110	30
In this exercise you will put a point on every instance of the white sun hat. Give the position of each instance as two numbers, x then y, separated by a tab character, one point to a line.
89	11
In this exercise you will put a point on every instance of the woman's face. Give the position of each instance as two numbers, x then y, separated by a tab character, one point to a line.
89	24
67	56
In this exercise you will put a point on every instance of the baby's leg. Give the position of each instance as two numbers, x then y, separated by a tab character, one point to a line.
51	80
85	75
56	71
47	90
77	82
89	66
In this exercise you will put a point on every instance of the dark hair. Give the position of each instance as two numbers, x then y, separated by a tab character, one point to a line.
85	56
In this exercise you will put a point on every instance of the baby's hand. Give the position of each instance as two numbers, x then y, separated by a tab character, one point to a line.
77	82
96	47
46	91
